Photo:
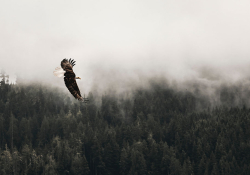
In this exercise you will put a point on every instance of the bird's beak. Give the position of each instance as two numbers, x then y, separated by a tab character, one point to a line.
78	78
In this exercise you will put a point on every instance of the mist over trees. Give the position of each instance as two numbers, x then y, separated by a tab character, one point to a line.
156	130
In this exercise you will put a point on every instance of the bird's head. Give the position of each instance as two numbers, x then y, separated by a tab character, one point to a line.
78	78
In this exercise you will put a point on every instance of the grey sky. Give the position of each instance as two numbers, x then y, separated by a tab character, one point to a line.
176	38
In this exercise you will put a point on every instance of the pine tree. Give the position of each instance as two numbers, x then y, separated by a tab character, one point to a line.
13	133
79	165
44	132
50	166
16	159
215	170
124	162
25	159
153	157
165	162
111	157
202	165
25	131
85	166
175	167
2	132
7	162
138	163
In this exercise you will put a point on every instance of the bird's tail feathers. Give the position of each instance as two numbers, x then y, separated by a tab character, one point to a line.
59	72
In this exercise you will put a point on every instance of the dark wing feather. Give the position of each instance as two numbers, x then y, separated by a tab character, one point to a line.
65	63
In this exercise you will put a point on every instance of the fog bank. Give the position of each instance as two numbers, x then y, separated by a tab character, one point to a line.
124	43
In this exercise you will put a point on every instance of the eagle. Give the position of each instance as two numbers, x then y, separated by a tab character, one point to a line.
66	69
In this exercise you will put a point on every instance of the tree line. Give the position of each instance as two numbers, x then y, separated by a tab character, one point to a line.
158	130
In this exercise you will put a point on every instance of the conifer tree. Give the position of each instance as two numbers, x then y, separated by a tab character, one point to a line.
138	163
124	162
7	162
44	132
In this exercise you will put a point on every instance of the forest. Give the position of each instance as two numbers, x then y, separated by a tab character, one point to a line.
158	130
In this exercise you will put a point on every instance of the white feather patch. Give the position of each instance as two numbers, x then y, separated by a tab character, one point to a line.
59	72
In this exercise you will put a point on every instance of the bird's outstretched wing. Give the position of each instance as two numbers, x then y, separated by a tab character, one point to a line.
65	63
69	78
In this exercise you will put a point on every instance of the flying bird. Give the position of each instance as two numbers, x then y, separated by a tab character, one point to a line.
66	70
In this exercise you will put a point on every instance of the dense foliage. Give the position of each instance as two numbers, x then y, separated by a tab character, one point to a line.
158	130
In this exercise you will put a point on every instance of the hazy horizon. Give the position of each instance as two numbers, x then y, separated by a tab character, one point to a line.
123	42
